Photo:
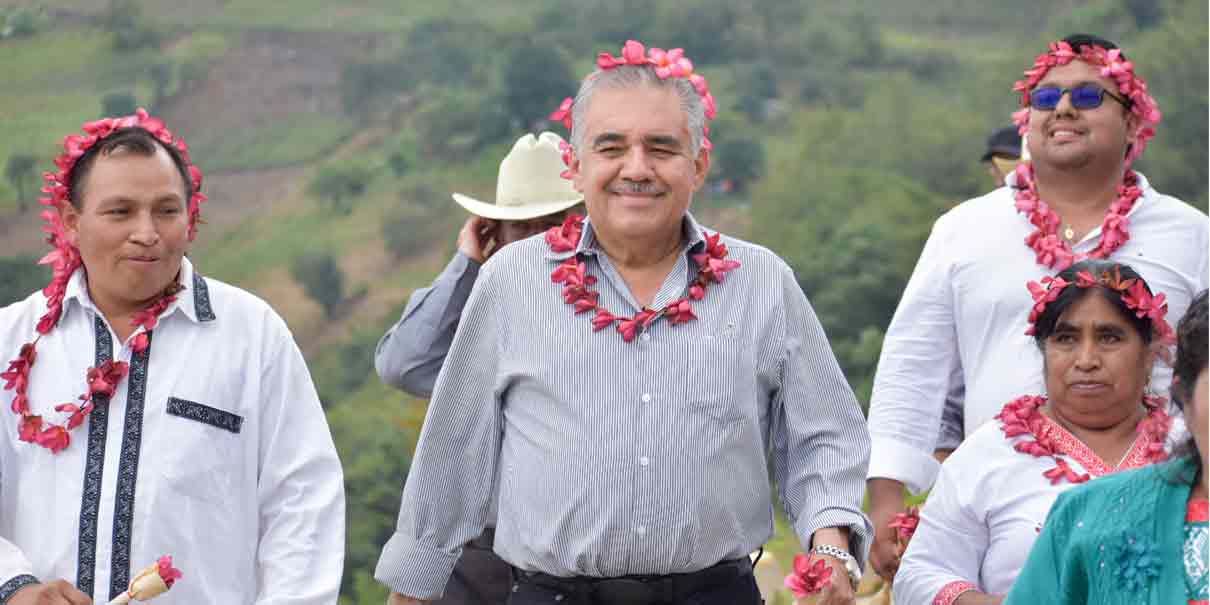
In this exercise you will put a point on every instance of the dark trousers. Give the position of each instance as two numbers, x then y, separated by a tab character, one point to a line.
729	583
480	577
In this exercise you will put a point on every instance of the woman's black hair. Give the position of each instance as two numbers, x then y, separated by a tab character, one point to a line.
1048	320
1191	353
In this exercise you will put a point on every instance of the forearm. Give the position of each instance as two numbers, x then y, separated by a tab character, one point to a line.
410	355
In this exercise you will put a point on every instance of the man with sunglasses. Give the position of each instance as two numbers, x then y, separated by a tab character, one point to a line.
1086	117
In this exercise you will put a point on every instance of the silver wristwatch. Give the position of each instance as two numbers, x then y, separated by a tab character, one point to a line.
850	564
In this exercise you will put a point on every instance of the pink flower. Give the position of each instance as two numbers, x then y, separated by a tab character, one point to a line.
103	380
711	108
697	292
699	84
634	53
670	64
1063	471
808	578
29	428
20	404
168	573
566	237
1085	279
563	114
603	320
679	312
906	524
54	438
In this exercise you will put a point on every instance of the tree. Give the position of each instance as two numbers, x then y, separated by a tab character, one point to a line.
322	279
20	171
117	104
124	18
742	160
535	79
339	183
21	276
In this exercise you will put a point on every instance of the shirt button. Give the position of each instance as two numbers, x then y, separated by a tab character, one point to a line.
645	336
646	397
640	530
644	461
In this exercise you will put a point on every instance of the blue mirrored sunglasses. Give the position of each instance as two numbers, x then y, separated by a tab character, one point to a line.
1084	96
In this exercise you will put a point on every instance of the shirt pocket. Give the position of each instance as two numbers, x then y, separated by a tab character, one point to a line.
204	445
718	377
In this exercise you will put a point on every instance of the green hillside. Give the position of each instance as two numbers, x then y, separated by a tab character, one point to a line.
331	135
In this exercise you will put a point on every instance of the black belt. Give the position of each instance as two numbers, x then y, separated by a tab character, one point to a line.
641	589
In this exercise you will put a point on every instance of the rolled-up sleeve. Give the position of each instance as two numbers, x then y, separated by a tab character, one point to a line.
919	356
820	445
409	356
448	492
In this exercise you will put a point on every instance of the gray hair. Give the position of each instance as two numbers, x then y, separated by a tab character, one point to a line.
633	76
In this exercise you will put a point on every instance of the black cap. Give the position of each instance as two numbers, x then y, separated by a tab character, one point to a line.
1005	141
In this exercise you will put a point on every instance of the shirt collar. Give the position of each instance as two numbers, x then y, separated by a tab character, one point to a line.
691	233
193	301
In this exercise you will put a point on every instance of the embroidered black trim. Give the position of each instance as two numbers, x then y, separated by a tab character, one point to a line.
15	584
205	414
128	472
98	422
201	298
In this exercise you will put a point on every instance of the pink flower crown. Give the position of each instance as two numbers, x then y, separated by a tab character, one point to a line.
668	64
1133	292
65	258
1112	65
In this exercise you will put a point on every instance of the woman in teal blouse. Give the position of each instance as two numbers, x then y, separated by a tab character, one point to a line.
1138	536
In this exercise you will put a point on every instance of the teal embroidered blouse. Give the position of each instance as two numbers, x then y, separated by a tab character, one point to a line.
1118	539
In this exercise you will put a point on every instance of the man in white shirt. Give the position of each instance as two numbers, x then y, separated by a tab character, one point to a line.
1087	116
198	434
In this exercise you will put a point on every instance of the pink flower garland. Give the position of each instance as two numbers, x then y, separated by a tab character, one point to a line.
1052	251
668	64
64	259
713	266
1022	416
1133	292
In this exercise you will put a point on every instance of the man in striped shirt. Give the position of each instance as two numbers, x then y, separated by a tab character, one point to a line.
631	462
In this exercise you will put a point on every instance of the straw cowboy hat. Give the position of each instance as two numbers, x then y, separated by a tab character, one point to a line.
528	185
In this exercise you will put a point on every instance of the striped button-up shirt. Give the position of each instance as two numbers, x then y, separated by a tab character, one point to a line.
617	458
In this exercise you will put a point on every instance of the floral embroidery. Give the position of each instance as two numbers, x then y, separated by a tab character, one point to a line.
950	592
64	259
713	266
808	578
1138	562
1023	417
